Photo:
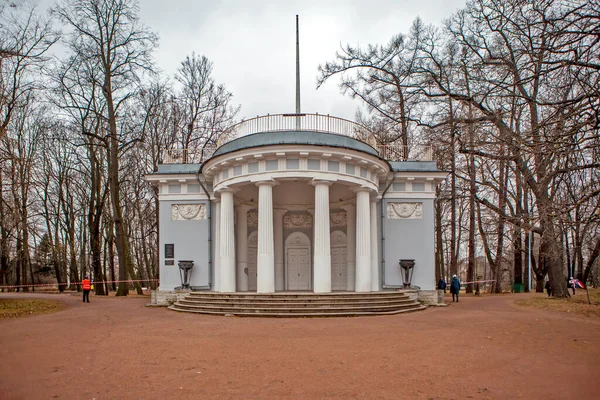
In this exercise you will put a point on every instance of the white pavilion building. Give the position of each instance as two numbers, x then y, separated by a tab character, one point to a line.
295	203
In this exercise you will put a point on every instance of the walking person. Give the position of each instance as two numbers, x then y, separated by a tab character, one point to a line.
86	285
455	287
442	285
572	284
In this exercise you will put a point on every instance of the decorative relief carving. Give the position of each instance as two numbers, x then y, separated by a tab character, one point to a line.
297	239
293	221
338	238
253	239
405	210
338	219
253	219
188	212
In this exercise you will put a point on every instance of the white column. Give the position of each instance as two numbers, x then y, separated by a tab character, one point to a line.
227	244
351	244
363	242
217	248
279	264
374	248
322	246
242	248
265	263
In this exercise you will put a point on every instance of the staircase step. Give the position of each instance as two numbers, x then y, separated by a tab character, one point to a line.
297	309
296	294
302	315
294	303
299	304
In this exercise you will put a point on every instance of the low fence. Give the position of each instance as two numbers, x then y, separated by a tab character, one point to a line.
301	122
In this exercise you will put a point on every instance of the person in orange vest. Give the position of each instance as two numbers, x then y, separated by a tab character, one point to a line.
86	286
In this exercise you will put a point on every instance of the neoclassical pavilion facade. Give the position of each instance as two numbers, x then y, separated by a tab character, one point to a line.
296	203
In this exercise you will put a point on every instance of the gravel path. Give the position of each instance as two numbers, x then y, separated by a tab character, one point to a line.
480	348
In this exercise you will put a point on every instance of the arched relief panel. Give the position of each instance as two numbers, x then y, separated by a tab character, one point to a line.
252	221
338	239
253	239
297	239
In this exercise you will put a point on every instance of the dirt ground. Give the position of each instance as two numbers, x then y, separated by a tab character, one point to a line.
480	348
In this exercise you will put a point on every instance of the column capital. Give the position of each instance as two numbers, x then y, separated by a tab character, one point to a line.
361	189
316	182
266	182
227	189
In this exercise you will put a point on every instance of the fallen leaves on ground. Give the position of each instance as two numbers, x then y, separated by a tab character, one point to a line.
577	304
14	308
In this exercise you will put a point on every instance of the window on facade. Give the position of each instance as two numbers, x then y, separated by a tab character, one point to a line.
292	163
314	164
399	187
193	188
418	187
252	167
272	165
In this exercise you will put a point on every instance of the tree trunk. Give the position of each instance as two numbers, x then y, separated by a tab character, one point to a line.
518	255
122	241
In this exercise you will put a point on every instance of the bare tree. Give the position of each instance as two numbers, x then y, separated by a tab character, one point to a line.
108	33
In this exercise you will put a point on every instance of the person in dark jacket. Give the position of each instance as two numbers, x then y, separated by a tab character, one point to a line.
548	288
455	287
442	285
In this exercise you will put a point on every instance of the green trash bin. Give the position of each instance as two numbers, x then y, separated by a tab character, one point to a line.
519	288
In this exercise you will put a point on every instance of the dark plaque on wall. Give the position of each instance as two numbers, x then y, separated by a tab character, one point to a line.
169	251
169	262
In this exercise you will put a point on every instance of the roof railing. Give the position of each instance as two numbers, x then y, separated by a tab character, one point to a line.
185	156
301	122
295	122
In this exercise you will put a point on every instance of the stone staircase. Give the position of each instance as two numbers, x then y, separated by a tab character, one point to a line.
342	304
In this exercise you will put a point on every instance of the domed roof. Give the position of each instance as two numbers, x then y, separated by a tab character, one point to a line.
294	137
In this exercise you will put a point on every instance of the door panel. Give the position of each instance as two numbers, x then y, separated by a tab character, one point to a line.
298	264
338	268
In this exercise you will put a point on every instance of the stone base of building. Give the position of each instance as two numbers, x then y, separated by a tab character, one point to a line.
427	297
164	298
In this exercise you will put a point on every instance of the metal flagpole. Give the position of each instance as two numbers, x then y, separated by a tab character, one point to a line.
297	75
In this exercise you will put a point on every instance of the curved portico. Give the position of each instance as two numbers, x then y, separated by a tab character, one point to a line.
272	177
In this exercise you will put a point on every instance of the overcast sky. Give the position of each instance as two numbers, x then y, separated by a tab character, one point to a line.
252	43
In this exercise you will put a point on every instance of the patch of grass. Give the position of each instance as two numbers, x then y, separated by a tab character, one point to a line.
576	304
14	308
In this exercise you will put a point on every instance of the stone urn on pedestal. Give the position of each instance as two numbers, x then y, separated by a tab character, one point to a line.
185	269
408	267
